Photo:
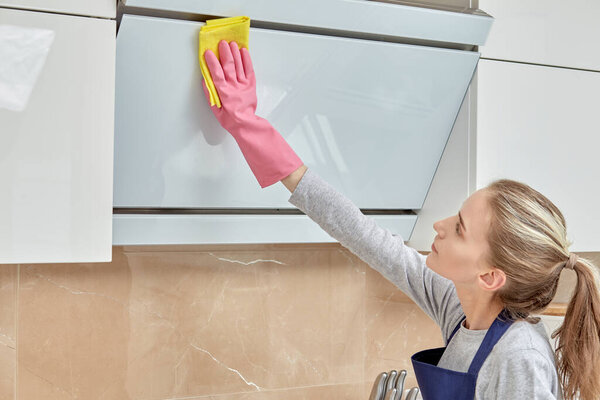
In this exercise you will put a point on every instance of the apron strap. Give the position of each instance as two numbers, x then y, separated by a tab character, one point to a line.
455	329
498	328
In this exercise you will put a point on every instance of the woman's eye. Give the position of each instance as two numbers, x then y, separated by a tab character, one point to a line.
457	228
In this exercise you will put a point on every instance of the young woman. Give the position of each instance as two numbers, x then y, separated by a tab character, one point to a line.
492	265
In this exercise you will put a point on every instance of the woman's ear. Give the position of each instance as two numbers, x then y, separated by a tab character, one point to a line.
492	280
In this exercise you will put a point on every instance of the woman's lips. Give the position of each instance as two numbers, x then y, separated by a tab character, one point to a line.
433	248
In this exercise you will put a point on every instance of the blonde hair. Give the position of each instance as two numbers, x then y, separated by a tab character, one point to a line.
527	239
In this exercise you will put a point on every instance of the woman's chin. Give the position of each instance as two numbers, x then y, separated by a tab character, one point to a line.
429	256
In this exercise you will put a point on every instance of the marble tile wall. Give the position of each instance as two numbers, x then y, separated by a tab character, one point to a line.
255	322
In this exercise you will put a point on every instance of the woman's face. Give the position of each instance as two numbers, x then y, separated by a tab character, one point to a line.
460	247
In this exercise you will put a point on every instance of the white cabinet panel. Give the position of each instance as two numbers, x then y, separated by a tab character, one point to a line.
552	32
372	118
540	125
56	156
95	8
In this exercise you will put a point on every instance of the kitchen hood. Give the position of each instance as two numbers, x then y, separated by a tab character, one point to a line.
366	100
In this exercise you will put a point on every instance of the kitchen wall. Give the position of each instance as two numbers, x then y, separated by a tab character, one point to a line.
207	322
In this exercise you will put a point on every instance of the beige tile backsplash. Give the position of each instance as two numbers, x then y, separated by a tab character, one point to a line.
252	322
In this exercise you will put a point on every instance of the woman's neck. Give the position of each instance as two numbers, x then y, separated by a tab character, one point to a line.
480	310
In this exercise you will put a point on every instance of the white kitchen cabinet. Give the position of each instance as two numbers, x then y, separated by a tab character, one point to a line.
56	154
551	32
540	125
94	8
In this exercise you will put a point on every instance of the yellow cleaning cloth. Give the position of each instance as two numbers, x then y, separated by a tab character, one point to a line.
230	29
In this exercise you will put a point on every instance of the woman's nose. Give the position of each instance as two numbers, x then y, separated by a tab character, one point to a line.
439	228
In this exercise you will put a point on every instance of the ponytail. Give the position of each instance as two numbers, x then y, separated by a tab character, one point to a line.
578	343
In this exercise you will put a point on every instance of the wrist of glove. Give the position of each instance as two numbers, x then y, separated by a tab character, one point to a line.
268	154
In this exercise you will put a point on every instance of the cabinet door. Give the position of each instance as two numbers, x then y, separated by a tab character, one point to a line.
550	32
372	118
94	8
56	154
540	125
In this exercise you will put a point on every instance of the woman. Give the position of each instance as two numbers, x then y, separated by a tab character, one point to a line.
492	265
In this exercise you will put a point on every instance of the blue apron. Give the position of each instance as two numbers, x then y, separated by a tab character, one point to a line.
438	383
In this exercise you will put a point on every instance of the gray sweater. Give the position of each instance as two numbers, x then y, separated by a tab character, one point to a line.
520	366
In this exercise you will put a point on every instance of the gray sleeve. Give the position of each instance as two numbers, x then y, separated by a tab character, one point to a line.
523	374
378	247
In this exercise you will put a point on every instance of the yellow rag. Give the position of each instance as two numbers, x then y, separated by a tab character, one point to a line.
230	29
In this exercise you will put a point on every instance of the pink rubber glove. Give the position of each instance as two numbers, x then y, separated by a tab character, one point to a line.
267	153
